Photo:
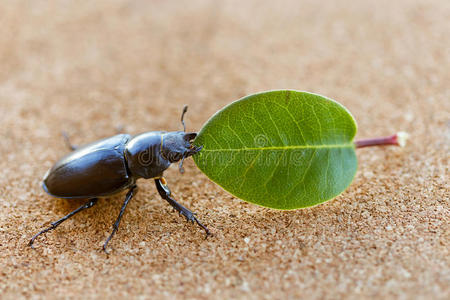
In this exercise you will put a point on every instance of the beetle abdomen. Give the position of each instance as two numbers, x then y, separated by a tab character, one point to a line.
97	169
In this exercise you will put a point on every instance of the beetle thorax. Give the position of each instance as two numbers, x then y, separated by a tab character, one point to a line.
143	155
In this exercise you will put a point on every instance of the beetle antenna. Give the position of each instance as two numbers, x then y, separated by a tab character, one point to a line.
182	117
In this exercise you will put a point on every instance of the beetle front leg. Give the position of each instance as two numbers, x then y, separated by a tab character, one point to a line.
55	224
130	194
164	191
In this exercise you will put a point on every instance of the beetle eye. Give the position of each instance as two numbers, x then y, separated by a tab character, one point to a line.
190	136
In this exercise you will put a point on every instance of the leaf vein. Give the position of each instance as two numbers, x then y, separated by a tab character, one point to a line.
295	121
275	125
330	146
304	174
273	173
248	169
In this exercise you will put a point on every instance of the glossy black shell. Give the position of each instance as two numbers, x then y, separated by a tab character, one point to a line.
143	154
95	170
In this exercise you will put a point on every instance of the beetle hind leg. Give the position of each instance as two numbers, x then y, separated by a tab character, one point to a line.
67	141
55	224
164	192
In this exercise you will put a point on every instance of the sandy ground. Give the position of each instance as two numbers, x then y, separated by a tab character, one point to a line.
88	66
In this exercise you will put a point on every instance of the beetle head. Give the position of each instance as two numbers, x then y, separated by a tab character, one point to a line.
178	145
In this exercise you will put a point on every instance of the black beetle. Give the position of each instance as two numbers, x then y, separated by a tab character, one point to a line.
113	164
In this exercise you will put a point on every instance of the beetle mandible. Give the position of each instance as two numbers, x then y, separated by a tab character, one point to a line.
114	164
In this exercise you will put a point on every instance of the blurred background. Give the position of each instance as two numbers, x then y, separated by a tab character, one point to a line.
88	66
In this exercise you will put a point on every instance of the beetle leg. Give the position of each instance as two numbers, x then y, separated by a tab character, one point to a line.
130	194
55	224
164	191
67	141
120	129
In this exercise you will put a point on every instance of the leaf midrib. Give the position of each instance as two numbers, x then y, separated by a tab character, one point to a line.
349	145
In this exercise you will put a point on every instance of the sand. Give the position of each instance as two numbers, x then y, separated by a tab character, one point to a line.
87	67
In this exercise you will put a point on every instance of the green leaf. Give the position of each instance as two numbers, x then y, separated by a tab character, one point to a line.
280	149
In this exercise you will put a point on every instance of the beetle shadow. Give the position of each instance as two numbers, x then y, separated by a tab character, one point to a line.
92	216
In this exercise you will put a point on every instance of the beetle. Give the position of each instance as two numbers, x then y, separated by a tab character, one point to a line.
111	165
